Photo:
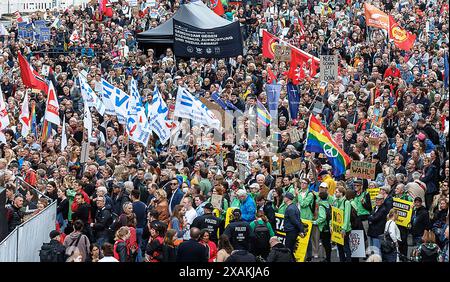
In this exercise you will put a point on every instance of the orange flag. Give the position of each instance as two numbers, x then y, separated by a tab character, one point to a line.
217	7
375	17
403	39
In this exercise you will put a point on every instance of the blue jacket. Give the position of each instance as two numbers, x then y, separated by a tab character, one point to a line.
292	220
248	209
176	199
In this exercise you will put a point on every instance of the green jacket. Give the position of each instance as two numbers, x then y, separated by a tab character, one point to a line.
225	207
235	203
321	220
260	221
205	186
360	209
405	197
305	205
290	189
280	209
70	196
345	206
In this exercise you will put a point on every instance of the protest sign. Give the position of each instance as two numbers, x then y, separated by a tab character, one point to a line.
216	201
364	170
337	221
357	244
292	166
374	143
45	70
294	134
405	209
275	164
282	53
328	67
241	157
373	192
302	243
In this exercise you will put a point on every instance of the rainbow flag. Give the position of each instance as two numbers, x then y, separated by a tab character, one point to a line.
262	115
33	120
319	140
46	130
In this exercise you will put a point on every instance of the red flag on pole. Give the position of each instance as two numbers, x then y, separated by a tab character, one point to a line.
403	39
217	7
30	77
269	42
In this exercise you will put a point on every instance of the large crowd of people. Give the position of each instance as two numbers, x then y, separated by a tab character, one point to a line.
188	200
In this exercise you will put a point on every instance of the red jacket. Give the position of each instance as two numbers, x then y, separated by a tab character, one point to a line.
394	73
74	205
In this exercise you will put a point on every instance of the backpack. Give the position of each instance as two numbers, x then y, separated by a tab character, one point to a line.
355	221
262	235
49	253
327	218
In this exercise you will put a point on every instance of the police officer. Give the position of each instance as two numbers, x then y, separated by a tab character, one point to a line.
208	221
239	232
293	225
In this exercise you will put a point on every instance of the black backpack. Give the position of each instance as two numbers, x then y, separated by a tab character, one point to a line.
355	221
262	235
313	204
50	253
327	218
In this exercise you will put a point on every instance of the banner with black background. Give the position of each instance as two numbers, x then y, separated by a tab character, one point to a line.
220	42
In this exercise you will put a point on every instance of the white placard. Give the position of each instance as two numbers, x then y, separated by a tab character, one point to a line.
45	70
241	157
357	244
328	67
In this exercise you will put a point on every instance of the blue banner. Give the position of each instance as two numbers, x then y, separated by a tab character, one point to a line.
294	100
25	30
273	96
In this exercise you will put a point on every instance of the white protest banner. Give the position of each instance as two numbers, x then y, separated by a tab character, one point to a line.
328	67
241	157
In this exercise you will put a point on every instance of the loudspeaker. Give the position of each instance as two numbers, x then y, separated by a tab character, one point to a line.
3	221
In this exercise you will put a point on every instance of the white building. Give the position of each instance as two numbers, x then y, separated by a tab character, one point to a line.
26	6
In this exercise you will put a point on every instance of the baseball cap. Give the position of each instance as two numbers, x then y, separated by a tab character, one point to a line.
208	206
379	196
324	185
289	196
418	199
237	211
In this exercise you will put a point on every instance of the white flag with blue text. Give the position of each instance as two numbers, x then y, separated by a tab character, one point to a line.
158	117
189	106
90	96
108	97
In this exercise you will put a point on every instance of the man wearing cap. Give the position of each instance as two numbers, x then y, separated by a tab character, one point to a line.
324	176
377	222
362	202
53	251
229	177
293	225
208	221
239	232
420	221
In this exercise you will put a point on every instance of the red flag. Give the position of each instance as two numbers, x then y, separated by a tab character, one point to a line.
403	39
271	77
217	7
30	77
106	8
269	42
18	17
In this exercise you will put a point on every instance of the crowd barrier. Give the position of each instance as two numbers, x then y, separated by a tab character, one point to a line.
25	241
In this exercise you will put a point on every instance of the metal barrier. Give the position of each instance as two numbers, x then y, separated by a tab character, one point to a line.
25	241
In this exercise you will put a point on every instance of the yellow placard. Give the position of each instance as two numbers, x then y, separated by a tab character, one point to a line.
302	243
373	192
337	221
229	216
405	210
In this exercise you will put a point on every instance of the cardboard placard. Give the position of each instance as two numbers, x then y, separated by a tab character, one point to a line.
216	201
374	144
282	53
292	166
365	170
405	210
328	67
302	243
337	221
294	134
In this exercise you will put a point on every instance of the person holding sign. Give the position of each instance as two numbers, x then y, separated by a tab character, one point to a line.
293	225
323	223
377	222
306	202
343	204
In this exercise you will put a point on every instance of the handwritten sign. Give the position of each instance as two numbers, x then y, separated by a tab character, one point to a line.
373	192
216	201
328	67
364	170
337	221
241	157
275	164
292	166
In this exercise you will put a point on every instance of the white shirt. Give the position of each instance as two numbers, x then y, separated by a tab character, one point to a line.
108	259
393	230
